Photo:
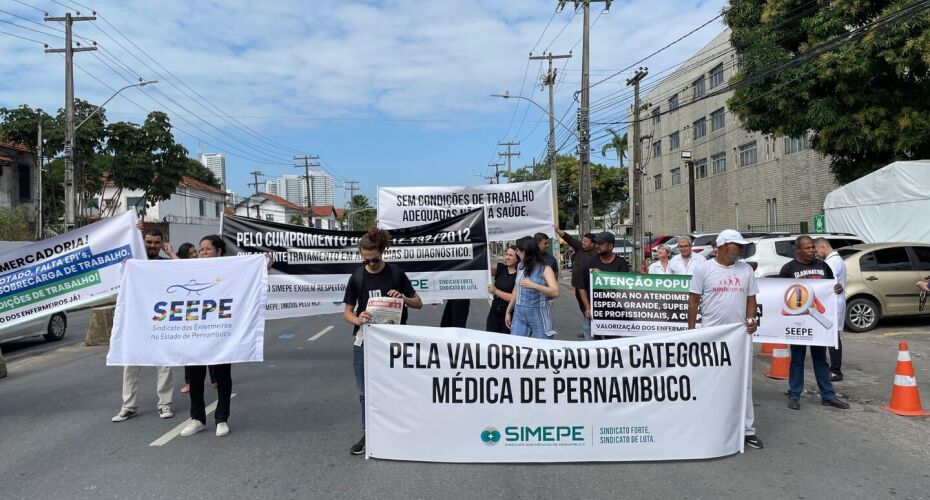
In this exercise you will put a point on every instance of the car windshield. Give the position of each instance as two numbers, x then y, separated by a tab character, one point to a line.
704	240
846	252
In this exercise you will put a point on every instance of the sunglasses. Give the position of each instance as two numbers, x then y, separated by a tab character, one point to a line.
375	260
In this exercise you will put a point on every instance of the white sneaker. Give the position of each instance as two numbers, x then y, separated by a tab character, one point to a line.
193	427
222	429
124	415
165	412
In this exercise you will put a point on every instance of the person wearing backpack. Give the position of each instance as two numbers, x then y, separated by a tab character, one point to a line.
375	278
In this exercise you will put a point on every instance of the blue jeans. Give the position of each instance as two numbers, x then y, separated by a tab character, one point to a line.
358	363
586	327
821	372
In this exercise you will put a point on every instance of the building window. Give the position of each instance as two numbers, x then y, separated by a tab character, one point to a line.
676	176
717	120
217	207
674	142
748	154
795	144
771	211
700	128
673	103
24	174
656	115
269	217
718	163
698	87
135	203
203	208
700	168
716	76
658	179
657	148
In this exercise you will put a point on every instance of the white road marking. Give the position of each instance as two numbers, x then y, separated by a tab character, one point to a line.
173	433
321	333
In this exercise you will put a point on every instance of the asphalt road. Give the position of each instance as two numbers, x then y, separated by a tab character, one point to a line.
295	416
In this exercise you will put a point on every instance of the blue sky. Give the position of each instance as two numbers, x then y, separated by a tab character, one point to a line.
389	93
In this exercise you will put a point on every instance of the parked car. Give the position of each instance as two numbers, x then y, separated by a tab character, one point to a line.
881	282
52	327
654	242
770	253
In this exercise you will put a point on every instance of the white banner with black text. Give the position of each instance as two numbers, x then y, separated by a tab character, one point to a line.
458	395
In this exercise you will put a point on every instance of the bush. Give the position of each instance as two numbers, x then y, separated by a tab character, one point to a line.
14	224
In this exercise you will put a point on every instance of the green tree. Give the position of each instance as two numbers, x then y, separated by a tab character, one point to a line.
360	213
618	143
14	224
297	220
198	172
865	100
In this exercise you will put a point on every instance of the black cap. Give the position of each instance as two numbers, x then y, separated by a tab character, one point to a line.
605	237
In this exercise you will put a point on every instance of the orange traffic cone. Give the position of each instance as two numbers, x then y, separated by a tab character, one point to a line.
905	399
766	349
781	360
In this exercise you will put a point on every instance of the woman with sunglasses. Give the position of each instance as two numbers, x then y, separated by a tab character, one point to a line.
375	278
529	313
505	278
189	251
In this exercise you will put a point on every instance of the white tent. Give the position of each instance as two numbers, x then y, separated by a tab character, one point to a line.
890	204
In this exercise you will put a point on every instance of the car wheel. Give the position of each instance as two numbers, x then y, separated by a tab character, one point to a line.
862	315
57	325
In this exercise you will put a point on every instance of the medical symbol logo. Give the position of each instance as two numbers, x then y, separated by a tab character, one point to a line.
490	436
192	286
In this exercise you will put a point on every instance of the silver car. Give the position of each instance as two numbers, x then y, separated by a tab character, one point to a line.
52	327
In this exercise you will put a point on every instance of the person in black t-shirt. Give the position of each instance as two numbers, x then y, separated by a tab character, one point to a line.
806	266
505	279
606	261
542	239
375	279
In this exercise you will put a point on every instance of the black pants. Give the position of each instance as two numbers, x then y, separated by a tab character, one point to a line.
187	375
455	314
496	320
836	356
224	379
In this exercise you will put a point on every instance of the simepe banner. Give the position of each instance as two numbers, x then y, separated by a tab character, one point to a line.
74	269
514	209
458	395
788	311
444	260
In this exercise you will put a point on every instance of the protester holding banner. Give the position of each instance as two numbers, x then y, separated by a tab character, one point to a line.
661	266
605	261
584	251
374	279
806	266
505	279
529	313
164	385
189	251
724	289
686	261
826	252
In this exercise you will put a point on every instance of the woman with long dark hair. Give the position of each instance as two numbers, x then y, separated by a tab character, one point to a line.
505	278
529	313
189	251
375	278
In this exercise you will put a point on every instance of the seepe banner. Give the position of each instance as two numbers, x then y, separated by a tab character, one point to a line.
444	260
788	311
71	270
514	210
190	312
458	395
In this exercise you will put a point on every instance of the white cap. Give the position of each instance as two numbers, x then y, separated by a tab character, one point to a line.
730	236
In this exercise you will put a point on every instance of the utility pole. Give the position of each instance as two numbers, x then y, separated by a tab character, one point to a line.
508	154
68	51
553	171
637	194
255	174
306	166
351	187
497	171
39	162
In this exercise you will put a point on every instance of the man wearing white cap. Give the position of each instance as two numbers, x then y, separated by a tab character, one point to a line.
725	290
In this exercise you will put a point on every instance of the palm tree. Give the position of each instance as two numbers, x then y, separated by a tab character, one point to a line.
618	143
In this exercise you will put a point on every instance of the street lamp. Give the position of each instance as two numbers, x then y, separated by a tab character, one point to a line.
348	215
553	173
71	196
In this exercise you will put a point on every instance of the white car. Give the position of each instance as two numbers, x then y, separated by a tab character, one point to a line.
52	327
770	253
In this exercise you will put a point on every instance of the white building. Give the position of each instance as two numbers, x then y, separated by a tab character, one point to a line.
216	163
273	208
293	188
321	187
192	201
